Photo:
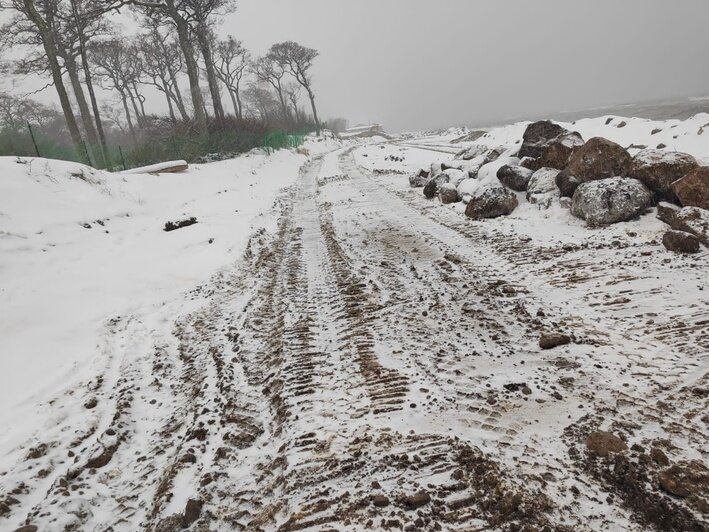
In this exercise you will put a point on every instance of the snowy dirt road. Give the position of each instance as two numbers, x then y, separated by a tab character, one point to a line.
375	364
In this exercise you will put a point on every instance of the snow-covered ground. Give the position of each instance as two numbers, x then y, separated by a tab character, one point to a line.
344	354
79	247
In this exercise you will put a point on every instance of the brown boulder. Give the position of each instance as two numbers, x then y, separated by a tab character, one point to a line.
538	136
412	502
557	154
604	443
680	242
690	479
380	501
658	169
693	189
599	158
688	219
447	193
549	341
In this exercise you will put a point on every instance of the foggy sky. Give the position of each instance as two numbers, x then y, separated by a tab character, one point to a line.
417	64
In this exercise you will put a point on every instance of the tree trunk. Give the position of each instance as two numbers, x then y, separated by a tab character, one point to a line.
183	37
169	105
177	96
84	113
90	87
315	113
51	51
234	102
128	118
238	101
203	41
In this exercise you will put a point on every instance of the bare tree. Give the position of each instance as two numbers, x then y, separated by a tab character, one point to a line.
299	60
177	13
231	60
268	70
262	103
111	59
42	14
160	61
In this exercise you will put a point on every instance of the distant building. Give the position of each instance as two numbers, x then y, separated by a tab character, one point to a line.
363	131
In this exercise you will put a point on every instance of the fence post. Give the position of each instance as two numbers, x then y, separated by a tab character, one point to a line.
123	161
36	148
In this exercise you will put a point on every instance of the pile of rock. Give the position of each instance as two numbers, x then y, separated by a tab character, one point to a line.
598	180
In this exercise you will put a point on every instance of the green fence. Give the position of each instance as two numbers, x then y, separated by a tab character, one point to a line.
30	142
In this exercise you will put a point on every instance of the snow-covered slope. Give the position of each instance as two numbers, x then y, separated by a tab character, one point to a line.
690	136
80	246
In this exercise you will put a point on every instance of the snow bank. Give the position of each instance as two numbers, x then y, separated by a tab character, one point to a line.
690	136
79	246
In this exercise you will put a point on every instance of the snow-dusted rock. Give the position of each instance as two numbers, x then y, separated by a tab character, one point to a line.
557	153
467	188
431	188
472	166
538	136
599	158
455	176
490	201
488	172
473	152
693	189
420	178
689	219
658	169
610	200
436	168
514	177
680	242
542	188
447	193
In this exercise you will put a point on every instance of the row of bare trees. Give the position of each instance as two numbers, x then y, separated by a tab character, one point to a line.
75	45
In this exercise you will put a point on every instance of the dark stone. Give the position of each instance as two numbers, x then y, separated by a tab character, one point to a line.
693	189
412	502
680	242
192	510
514	177
567	184
549	341
380	501
689	219
538	136
604	444
658	169
599	158
490	202
557	154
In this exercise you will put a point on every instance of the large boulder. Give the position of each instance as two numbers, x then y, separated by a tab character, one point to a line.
431	188
491	201
542	188
420	178
514	177
599	158
693	189
567	184
610	200
448	193
604	444
557	153
688	219
658	169
538	136
680	242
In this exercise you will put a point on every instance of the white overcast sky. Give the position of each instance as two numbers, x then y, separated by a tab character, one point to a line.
416	64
